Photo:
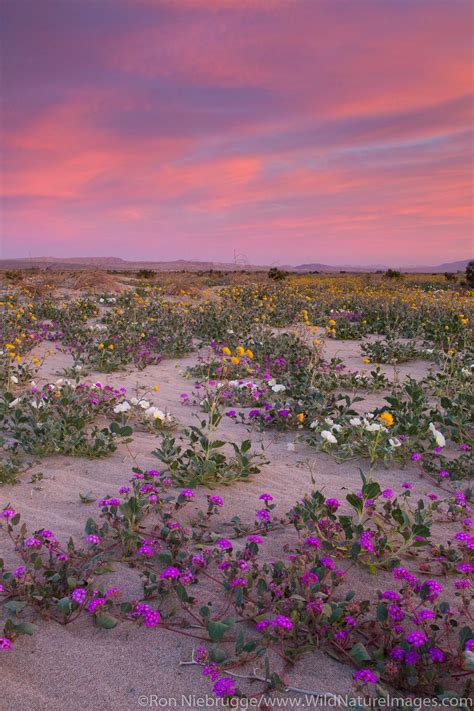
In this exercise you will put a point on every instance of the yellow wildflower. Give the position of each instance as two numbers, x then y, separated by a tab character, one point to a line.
386	418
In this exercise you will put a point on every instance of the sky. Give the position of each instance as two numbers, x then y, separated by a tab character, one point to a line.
272	131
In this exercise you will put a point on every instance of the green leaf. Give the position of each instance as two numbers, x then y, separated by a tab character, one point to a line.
465	634
107	622
182	593
217	655
370	490
103	569
90	526
216	630
15	606
355	502
64	604
359	653
25	628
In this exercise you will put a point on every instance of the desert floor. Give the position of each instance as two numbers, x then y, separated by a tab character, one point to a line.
82	667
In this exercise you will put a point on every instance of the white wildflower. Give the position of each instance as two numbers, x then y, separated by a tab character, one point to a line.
373	427
154	413
439	437
122	407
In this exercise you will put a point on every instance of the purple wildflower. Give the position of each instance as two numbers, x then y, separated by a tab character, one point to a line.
280	622
94	604
79	595
225	544
225	686
151	618
411	658
8	513
436	654
109	502
416	638
170	573
366	676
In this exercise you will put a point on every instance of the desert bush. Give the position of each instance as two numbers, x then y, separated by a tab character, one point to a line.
60	419
146	274
392	274
470	274
276	274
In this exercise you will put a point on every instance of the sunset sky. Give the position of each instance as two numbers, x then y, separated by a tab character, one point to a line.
288	131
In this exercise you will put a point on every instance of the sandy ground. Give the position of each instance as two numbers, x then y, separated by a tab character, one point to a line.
80	667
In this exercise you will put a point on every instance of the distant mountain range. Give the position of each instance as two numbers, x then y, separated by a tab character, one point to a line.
118	264
459	266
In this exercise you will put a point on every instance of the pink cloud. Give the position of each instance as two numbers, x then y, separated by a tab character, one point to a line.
289	131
